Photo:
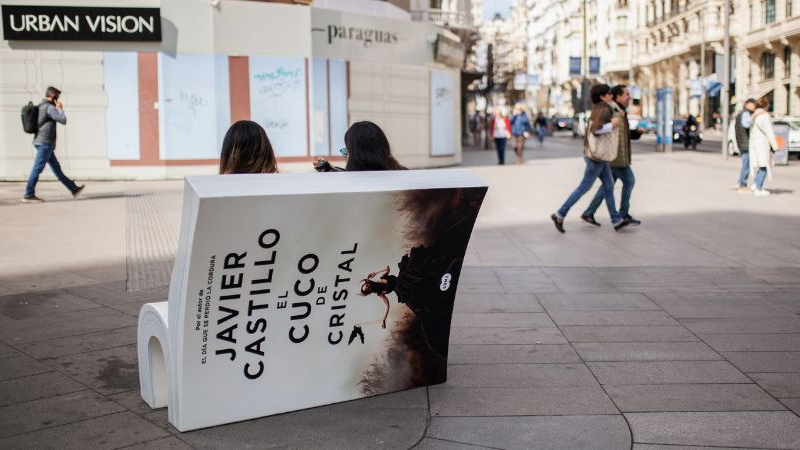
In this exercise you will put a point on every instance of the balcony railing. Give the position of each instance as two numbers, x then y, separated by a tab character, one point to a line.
448	19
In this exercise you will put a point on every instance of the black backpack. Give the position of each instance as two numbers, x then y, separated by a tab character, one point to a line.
30	118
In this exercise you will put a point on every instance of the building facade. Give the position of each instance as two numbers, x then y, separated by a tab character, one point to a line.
159	109
653	44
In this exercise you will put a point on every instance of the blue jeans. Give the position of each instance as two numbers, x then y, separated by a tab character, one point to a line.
745	171
628	181
593	171
761	175
45	154
500	144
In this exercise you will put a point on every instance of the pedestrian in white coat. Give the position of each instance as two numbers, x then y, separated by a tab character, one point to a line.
762	144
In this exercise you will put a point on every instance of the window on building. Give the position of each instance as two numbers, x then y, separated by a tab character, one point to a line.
769	11
788	89
789	4
767	66
787	61
752	17
622	23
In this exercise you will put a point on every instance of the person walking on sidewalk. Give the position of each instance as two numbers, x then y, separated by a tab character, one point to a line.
602	121
500	130
520	129
51	110
761	145
541	127
744	121
621	166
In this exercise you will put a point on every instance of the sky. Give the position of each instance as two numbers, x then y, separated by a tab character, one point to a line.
490	7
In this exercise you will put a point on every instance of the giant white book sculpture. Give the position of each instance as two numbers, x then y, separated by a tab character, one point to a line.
291	291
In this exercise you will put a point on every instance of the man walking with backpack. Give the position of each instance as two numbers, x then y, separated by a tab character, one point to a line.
50	111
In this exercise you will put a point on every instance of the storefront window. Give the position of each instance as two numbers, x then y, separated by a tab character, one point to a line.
767	66
769	11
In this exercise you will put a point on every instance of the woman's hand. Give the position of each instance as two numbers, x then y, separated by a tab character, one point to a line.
371	274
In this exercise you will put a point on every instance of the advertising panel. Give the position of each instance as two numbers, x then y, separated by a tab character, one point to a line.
75	23
442	117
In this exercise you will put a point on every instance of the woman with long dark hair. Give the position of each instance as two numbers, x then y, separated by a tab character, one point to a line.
366	148
246	149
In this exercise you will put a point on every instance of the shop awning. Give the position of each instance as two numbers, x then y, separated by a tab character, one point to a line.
714	89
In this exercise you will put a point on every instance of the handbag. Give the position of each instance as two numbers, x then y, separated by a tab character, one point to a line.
603	147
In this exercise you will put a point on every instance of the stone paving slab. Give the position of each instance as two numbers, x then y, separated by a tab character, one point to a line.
169	443
767	429
493	320
596	302
525	279
645	351
752	342
53	411
497	303
691	397
513	354
540	401
65	325
56	348
517	375
792	403
342	426
106	432
439	444
20	366
778	384
42	304
627	333
108	371
745	326
665	372
682	311
765	361
544	432
506	336
6	351
34	387
565	318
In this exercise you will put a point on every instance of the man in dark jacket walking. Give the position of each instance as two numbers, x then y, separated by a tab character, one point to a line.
621	166
51	110
742	129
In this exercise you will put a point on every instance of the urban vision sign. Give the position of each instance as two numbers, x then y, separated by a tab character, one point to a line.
72	23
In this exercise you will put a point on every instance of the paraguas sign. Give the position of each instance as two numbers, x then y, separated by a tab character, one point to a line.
73	23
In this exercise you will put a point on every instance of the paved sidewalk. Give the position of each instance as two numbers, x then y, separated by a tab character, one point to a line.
682	332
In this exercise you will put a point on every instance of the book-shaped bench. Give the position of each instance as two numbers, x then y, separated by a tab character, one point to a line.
291	291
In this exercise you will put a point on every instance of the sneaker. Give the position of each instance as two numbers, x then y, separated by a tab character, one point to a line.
558	221
761	193
621	224
77	191
632	222
590	221
744	190
32	199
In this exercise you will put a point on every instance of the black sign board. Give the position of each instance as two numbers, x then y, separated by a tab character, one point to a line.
73	23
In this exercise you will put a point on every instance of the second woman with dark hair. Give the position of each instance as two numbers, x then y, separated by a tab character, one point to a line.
366	148
246	149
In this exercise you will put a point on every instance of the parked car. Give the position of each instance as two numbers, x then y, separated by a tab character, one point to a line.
649	124
562	123
794	133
